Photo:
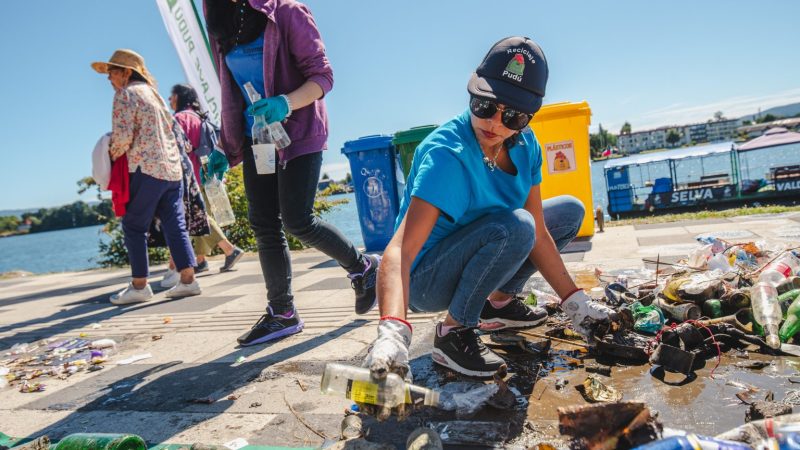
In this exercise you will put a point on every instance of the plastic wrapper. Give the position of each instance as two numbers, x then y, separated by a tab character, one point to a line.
647	319
466	398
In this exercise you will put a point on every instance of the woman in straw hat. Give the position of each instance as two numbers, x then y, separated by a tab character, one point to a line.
276	46
142	132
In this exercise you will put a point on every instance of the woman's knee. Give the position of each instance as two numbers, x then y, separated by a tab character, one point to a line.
299	224
570	209
518	227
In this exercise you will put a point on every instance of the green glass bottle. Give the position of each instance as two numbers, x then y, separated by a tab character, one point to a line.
792	323
100	441
712	308
786	299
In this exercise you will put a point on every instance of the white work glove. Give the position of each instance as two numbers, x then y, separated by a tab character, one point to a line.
587	315
389	353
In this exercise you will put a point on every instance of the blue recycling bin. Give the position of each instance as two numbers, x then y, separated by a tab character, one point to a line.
373	165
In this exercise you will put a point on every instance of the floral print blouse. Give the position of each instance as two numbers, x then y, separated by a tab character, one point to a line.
142	127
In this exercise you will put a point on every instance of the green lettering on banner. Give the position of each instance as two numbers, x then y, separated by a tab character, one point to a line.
171	4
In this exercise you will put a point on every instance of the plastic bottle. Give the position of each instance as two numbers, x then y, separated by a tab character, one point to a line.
693	442
789	284
779	270
791	325
766	311
279	134
357	384
100	441
756	431
260	131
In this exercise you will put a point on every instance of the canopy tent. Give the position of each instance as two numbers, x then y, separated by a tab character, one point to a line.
689	152
772	138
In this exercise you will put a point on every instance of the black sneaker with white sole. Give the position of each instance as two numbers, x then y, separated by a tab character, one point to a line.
516	314
272	326
364	284
462	351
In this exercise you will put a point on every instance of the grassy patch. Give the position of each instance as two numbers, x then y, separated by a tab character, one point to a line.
734	212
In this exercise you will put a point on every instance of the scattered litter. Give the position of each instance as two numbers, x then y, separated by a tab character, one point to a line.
240	359
561	383
466	398
596	368
167	320
763	409
103	343
471	432
157	337
594	390
135	358
302	385
609	425
424	439
95	326
352	427
27	387
255	404
236	444
202	400
233	397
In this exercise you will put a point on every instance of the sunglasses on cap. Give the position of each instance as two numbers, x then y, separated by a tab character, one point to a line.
512	119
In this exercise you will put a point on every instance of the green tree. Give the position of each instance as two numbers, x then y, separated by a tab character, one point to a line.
626	128
600	141
348	178
718	116
766	118
673	137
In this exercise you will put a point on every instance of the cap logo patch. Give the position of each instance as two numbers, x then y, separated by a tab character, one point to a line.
515	68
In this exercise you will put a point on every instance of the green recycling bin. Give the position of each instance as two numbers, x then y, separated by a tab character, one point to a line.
406	143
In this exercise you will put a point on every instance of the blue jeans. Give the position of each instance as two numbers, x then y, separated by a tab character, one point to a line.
150	197
489	254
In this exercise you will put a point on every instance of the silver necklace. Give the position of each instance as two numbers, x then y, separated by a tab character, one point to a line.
491	163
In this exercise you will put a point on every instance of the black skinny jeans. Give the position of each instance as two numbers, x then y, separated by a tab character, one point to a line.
285	199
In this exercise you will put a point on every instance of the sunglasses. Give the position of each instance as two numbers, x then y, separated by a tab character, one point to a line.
511	118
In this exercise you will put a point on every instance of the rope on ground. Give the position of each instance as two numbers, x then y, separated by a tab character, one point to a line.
302	420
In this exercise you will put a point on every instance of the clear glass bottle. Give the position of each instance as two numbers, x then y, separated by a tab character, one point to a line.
356	384
279	135
766	311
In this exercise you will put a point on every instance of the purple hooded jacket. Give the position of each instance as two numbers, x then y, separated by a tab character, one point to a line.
293	54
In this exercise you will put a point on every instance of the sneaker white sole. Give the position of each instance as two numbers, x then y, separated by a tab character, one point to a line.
179	294
496	324
440	358
120	302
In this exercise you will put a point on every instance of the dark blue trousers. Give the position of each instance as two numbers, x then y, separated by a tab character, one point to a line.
151	197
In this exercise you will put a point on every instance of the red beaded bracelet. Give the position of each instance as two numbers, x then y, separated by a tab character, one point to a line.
399	320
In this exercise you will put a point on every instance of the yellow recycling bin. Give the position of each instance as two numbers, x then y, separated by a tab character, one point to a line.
563	132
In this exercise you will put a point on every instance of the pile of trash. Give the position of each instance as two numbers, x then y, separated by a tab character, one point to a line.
722	296
25	366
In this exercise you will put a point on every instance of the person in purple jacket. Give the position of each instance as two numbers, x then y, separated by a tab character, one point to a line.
275	46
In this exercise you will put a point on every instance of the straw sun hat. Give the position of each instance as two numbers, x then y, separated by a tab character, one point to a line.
127	59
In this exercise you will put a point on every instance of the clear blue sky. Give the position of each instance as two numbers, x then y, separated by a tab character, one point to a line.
400	64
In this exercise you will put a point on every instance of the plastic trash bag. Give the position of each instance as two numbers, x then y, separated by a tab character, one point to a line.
647	319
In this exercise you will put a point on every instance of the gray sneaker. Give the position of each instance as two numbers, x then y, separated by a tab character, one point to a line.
232	259
132	295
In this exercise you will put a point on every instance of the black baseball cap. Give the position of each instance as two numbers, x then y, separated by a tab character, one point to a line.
514	73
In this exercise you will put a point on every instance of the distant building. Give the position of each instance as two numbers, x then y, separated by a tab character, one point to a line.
754	131
724	130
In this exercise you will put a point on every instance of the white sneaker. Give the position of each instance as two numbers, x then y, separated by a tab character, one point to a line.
132	295
171	279
184	290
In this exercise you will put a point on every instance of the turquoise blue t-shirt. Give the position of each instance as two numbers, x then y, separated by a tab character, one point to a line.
246	63
448	172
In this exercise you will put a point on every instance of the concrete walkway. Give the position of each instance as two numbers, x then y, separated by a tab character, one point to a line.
196	356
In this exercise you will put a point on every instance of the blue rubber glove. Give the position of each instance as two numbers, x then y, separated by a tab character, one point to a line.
216	167
274	109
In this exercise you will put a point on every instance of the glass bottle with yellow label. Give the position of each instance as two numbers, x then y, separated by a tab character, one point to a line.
356	384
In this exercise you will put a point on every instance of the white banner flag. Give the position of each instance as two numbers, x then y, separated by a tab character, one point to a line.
189	39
